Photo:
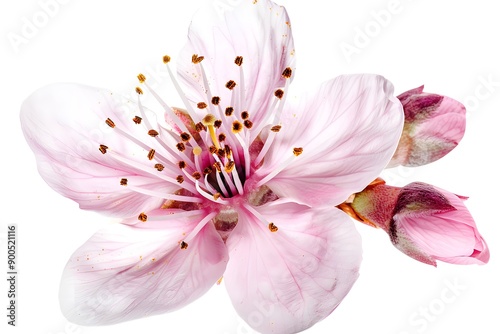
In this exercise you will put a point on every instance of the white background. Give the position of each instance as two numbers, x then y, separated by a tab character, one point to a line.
450	46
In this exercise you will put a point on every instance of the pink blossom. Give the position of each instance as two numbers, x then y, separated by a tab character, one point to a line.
424	222
241	184
434	125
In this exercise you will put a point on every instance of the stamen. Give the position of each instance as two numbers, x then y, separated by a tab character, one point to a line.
276	128
215	100
239	60
103	149
207	170
200	127
123	182
237	127
166	59
142	217
184	245
209	196
279	93
141	77
272	227
245	115
287	73
182	164
248	124
230	84
229	166
201	105
151	154
137	120
298	151
180	178
218	124
222	137
197	229
159	167
229	111
197	59
153	133
181	147
110	123
185	136
196	175
139	91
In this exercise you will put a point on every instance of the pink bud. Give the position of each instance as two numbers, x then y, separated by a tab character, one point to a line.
424	222
434	125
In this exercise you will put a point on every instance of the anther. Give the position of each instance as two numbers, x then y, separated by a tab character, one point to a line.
141	77
182	164
185	136
228	151
180	178
216	196
222	137
218	124
143	217
213	149
103	149
238	60
287	73
200	127
215	100
229	111
196	175
123	182
221	152
230	84
207	170
137	120
217	166
272	227
153	133
248	124
279	93
237	127
201	105
197	59
166	59
276	128
159	167
229	167
181	147
245	115
297	151
184	245
151	154
139	91
110	123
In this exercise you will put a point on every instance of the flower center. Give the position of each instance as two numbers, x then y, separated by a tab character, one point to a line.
206	150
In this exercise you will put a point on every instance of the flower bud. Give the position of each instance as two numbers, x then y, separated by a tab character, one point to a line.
434	125
423	221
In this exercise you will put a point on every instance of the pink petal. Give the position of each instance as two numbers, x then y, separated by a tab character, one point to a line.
64	125
258	31
131	271
348	129
286	281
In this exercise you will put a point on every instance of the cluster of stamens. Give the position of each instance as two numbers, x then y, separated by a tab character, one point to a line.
210	154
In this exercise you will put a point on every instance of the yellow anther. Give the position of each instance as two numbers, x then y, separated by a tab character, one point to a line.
141	77
166	59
